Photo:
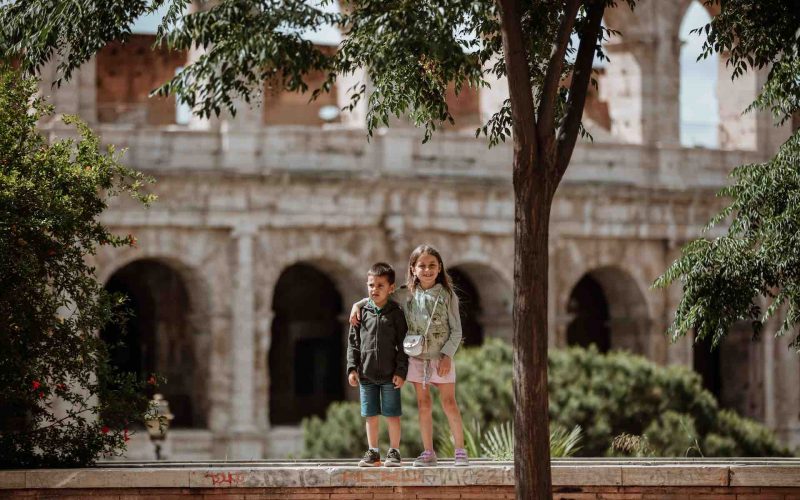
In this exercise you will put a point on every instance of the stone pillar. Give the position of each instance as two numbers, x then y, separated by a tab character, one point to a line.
491	98
196	122
679	352
642	80
244	441
782	399
78	96
739	130
357	117
628	88
240	136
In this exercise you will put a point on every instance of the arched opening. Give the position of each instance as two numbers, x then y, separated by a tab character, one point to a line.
699	107
306	358
731	371
589	308
608	309
469	301
706	363
158	336
484	299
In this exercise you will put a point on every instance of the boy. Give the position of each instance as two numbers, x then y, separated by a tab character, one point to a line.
376	362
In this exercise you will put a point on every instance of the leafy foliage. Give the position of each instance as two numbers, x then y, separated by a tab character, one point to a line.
671	413
411	51
750	274
725	279
759	35
50	302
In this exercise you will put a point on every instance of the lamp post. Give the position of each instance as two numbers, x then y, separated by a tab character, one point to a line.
158	424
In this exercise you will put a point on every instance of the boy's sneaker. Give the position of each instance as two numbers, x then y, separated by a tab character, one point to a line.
461	459
392	458
371	459
426	459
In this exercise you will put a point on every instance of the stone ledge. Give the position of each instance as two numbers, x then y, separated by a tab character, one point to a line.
778	473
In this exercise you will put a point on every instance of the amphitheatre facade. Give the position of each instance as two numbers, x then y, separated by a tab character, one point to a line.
245	267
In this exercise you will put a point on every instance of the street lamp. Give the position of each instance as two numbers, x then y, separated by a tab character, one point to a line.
158	424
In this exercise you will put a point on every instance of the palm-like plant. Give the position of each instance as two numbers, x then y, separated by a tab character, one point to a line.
498	442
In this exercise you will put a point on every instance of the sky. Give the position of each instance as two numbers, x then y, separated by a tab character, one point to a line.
699	114
699	111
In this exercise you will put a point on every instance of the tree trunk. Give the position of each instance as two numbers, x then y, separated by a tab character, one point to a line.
533	197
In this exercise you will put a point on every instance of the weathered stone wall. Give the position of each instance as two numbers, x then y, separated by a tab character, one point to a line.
572	480
126	73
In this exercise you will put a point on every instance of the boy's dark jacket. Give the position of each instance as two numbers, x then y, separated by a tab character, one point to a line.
375	346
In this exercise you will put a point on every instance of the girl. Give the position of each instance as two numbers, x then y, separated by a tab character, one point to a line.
429	291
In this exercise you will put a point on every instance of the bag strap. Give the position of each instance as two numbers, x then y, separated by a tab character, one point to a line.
425	335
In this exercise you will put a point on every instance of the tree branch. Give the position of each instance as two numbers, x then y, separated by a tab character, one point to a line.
519	80
579	87
547	105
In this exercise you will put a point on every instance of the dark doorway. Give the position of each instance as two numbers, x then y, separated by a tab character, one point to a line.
707	364
469	302
158	337
589	308
306	359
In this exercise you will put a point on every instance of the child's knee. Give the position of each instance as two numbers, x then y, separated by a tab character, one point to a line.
424	401
449	403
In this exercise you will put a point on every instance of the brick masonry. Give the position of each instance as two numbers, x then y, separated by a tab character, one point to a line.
573	480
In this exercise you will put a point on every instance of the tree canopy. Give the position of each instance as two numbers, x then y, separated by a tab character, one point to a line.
752	272
411	51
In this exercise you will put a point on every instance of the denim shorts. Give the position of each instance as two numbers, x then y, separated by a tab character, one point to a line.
379	399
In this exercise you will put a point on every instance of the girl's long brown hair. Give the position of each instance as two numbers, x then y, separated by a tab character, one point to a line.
442	277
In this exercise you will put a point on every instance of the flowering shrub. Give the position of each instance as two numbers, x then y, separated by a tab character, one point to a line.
61	403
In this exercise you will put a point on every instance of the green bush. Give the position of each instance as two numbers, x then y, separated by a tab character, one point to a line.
51	305
605	394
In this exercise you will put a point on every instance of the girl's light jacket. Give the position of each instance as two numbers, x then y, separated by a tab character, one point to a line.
444	335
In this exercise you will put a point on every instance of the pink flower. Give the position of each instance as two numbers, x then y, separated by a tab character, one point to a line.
36	384
104	429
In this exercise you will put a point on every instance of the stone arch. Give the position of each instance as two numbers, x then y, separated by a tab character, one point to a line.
164	333
608	301
699	106
308	338
733	370
485	298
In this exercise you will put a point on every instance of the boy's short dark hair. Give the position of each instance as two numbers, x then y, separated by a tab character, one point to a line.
382	269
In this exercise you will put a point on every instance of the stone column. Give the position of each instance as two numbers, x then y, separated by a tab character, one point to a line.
491	98
628	88
357	117
196	122
240	137
680	352
244	442
78	96
739	130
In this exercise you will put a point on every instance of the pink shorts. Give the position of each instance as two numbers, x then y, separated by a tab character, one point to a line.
416	372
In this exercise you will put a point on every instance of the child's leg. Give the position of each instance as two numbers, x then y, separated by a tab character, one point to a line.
450	407
425	414
394	431
372	431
